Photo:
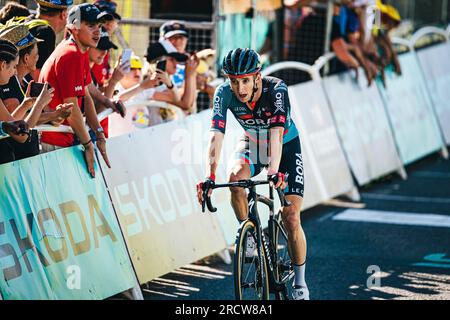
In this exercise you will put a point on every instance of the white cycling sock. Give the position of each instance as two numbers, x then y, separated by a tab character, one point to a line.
299	279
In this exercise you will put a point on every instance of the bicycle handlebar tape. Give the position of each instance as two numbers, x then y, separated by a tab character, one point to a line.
208	184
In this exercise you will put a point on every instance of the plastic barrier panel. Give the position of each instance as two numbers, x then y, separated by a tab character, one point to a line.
435	63
152	182
363	126
326	171
416	130
59	237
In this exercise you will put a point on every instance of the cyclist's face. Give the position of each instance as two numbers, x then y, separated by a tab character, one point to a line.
243	87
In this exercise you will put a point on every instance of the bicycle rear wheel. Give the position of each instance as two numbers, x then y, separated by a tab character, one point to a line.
251	281
283	270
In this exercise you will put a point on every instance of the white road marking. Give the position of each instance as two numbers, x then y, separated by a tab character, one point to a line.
402	218
391	197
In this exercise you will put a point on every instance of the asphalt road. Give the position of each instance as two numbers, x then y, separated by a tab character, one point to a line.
399	247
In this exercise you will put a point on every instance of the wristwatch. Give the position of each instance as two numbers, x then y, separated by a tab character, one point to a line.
100	130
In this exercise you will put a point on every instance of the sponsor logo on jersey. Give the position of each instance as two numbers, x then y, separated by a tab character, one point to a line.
78	88
221	124
252	122
217	110
279	105
299	168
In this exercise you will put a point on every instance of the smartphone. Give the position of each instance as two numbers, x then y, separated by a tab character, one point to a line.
161	65
126	58
36	89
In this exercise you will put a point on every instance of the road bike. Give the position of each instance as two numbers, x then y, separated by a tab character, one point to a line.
268	271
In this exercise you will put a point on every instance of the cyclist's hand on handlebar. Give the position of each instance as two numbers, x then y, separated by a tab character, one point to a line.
200	186
277	179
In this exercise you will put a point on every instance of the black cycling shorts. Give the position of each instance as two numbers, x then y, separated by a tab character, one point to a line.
256	155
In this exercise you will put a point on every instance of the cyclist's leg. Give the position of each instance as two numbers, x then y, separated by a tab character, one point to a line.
244	167
292	165
240	171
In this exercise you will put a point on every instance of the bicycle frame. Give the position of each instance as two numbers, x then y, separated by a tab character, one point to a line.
262	243
271	255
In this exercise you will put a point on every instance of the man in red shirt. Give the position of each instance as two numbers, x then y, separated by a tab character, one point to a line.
67	71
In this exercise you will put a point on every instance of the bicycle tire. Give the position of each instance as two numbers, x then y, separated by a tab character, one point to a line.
283	258
261	280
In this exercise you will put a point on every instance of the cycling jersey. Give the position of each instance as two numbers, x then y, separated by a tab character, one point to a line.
271	110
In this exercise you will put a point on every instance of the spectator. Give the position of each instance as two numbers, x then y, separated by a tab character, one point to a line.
18	131
102	71
295	12
67	70
344	38
175	32
16	94
205	74
165	50
12	10
390	19
49	20
133	89
103	101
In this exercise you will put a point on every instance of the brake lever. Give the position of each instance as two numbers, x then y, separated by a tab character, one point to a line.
207	199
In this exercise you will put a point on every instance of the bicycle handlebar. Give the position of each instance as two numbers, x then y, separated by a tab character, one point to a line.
211	185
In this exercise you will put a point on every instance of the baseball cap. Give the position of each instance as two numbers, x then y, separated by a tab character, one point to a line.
135	62
55	4
164	48
171	28
86	12
108	6
19	35
105	42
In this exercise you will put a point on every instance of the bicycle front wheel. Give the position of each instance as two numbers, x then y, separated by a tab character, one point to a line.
251	281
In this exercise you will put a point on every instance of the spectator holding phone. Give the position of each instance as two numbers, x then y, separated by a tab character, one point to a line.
132	88
18	95
102	94
9	57
102	71
164	50
68	72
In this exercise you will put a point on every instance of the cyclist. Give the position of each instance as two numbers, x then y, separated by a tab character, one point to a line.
261	106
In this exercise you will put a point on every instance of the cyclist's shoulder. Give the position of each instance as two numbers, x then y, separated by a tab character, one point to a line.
224	90
274	84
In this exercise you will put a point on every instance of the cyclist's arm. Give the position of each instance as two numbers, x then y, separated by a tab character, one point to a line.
218	125
280	99
275	149
214	150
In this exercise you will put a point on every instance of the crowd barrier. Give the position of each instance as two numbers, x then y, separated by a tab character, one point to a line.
64	235
59	238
